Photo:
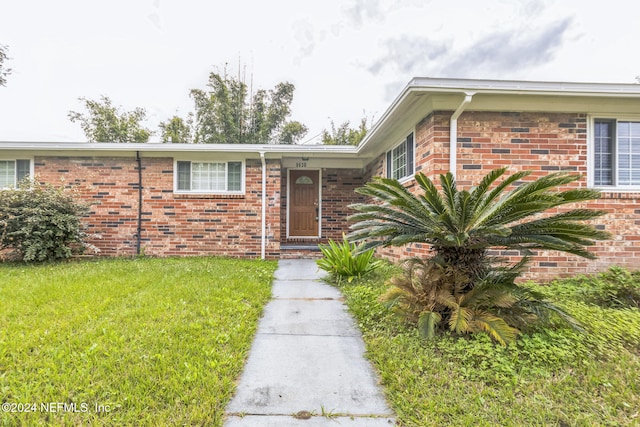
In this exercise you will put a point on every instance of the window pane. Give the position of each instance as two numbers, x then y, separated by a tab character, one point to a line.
603	152
23	169
624	177
399	161
7	173
208	176
304	180
623	129
410	159
184	176
628	153
234	181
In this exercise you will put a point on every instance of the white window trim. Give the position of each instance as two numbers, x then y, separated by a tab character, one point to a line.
591	157
14	159
413	159
243	177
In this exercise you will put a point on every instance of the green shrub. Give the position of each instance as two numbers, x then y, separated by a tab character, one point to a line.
40	223
614	288
346	260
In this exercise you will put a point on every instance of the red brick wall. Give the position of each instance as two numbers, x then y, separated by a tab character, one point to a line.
172	224
338	192
539	142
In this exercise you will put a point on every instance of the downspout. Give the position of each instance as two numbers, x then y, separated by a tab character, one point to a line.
139	233
453	133
263	242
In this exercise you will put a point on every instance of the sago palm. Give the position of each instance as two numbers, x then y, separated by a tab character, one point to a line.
461	226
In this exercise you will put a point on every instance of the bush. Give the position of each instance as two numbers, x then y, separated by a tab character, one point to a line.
614	288
40	223
346	260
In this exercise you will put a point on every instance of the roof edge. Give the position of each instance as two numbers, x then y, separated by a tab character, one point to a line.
524	86
167	147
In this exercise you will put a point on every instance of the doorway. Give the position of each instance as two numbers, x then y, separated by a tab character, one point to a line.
304	204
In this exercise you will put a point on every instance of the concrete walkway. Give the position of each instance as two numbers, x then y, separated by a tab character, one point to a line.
306	366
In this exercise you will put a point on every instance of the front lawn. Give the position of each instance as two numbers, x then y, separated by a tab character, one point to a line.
557	377
126	342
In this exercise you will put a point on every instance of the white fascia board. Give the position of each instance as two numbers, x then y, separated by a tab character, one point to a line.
270	150
531	87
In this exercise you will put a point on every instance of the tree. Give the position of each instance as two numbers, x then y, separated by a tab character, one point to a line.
292	132
177	130
4	71
344	135
105	123
225	116
461	285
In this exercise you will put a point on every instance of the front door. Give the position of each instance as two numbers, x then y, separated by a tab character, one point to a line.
304	203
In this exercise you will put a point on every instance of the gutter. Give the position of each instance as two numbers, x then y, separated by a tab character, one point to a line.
139	231
453	133
263	241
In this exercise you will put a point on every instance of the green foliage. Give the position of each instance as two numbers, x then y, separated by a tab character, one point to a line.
552	376
461	284
176	130
292	132
158	341
40	223
615	288
225	116
462	224
105	123
432	295
4	71
344	135
346	260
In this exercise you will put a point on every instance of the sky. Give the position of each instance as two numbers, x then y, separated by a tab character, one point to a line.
348	59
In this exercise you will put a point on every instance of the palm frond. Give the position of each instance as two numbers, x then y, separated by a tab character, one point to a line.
448	184
495	326
427	323
431	196
460	319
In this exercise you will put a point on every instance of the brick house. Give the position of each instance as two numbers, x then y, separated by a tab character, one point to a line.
280	201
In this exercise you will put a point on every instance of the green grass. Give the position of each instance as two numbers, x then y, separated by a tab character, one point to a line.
555	377
153	341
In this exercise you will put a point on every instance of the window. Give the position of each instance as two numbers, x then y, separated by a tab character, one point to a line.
400	159
13	171
616	153
209	177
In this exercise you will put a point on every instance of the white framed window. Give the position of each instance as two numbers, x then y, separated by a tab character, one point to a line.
615	153
218	177
401	160
13	171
